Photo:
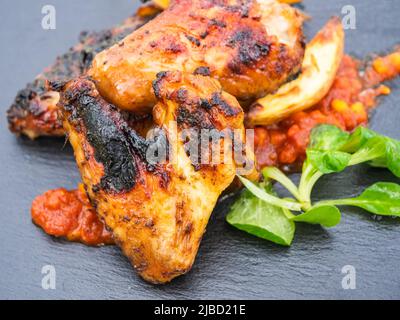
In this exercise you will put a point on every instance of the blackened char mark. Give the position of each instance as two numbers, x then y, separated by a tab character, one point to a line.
197	114
157	83
193	40
110	146
241	7
219	102
250	50
190	117
203	71
218	23
119	148
213	25
56	85
76	62
67	66
21	106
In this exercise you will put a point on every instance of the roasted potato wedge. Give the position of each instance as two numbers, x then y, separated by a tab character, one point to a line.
321	62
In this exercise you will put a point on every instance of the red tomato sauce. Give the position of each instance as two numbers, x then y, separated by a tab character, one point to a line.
346	105
69	214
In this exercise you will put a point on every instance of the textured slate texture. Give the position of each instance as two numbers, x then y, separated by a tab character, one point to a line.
230	263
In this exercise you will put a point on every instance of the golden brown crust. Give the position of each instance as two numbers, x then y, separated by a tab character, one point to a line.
158	212
250	46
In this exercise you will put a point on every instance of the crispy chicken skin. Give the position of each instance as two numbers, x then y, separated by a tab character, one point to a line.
34	110
250	46
158	212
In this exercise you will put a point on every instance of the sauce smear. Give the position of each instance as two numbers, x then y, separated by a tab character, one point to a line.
69	214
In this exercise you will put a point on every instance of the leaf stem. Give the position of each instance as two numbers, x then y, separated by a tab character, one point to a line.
307	170
277	175
338	202
375	151
269	198
310	185
307	182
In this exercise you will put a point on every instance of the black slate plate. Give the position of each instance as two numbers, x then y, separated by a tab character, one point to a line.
230	264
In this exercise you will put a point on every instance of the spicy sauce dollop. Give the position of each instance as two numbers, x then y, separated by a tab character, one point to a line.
69	214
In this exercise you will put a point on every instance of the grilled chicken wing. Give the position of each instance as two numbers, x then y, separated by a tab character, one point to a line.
34	110
158	211
250	46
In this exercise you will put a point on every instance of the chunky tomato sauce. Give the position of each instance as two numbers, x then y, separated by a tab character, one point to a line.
352	95
69	214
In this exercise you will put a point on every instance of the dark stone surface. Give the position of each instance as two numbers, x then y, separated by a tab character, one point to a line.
230	264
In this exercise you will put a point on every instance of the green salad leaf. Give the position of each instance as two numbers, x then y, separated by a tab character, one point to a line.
373	149
382	198
325	215
357	139
277	175
327	137
328	161
324	156
268	197
261	219
393	156
332	150
261	212
379	151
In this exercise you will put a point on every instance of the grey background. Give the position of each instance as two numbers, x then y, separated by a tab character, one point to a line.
230	264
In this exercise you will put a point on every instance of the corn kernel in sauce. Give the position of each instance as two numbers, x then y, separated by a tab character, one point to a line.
68	214
346	105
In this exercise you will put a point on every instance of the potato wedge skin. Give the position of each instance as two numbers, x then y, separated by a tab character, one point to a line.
321	62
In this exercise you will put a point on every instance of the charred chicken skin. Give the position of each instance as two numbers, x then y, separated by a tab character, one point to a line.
188	71
250	46
34	110
157	212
